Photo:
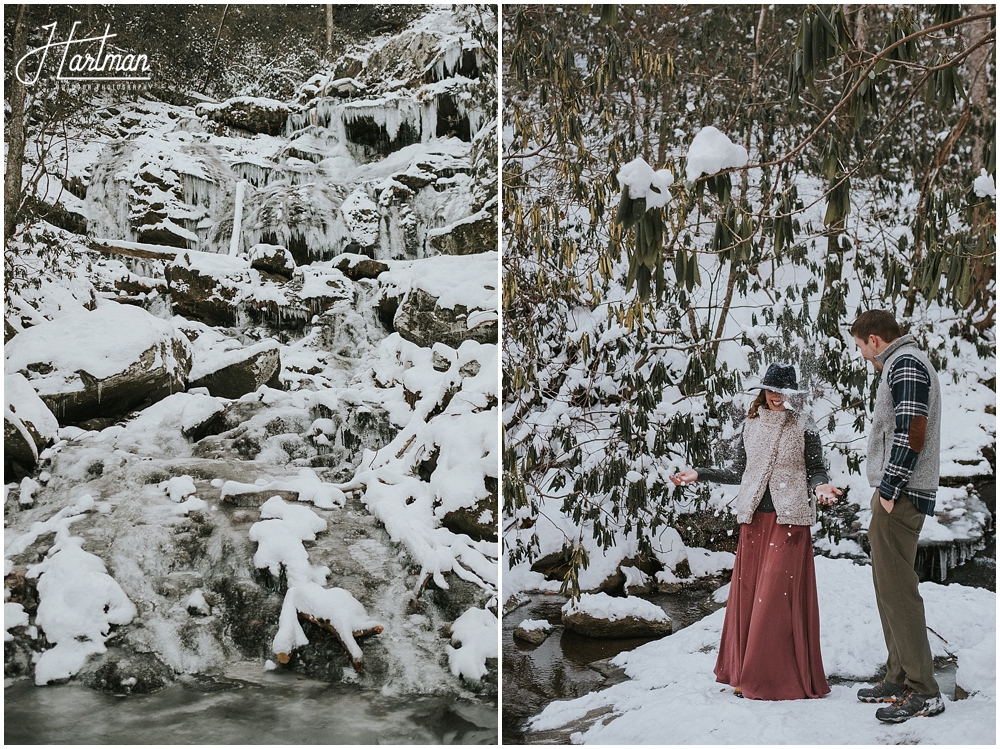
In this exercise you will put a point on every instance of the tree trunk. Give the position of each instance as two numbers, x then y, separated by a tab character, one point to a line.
979	93
983	109
13	190
831	306
329	32
859	26
978	107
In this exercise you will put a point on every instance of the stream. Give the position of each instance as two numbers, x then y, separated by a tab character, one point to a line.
567	664
244	707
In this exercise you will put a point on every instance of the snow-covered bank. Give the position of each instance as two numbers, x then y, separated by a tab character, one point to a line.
672	696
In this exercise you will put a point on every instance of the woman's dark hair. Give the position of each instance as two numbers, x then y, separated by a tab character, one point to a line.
760	400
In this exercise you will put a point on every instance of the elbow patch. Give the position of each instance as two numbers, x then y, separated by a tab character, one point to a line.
918	433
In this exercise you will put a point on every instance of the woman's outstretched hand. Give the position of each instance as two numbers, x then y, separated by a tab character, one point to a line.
827	494
685	477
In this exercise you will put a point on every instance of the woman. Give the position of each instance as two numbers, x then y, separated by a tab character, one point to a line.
770	638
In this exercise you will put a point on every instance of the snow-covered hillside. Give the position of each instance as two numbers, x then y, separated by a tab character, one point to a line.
273	364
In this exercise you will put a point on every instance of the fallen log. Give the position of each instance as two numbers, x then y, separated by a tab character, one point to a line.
134	249
325	624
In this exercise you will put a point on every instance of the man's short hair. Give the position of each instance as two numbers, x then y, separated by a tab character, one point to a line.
876	322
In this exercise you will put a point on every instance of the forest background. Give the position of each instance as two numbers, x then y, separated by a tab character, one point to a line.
632	326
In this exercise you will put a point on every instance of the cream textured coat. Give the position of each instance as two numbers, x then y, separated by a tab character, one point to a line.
775	447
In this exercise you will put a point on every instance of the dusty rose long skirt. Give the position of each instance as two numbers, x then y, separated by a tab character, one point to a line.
770	637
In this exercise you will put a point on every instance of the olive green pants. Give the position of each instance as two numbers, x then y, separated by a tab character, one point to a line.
893	538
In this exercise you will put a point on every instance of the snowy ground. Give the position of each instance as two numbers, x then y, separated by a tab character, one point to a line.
672	696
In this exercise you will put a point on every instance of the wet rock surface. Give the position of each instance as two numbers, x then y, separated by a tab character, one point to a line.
126	673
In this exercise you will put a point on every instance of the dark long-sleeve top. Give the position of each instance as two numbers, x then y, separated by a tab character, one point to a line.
733	473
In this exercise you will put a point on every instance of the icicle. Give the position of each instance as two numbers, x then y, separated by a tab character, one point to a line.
234	243
390	114
429	119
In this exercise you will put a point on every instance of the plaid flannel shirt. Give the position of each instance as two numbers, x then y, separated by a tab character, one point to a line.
909	382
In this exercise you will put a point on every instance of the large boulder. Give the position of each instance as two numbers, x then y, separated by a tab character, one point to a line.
357	267
28	426
468	236
101	364
273	259
209	287
422	319
253	114
443	299
601	615
232	374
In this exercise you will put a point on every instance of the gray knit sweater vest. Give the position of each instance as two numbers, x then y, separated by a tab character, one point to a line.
775	445
927	470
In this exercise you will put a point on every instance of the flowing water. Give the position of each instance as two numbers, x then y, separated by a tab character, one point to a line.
269	708
569	665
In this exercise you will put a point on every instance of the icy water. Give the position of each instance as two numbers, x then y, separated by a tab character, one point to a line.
562	667
276	709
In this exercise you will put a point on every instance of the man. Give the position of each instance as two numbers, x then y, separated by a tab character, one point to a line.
903	466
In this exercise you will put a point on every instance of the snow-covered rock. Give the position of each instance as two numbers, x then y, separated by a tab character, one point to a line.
476	632
78	603
600	615
28	425
478	521
273	259
534	631
209	287
224	290
356	267
477	233
444	299
334	607
253	114
101	364
238	372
